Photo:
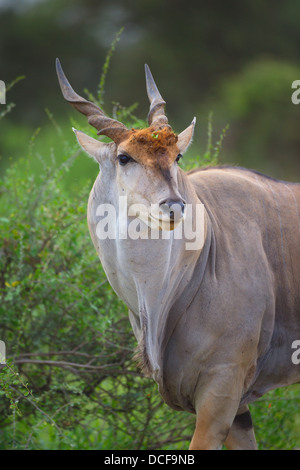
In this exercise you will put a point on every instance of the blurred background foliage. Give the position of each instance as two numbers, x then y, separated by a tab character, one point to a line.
236	59
70	380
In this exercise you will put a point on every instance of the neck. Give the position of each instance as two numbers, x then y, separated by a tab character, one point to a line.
157	276
165	280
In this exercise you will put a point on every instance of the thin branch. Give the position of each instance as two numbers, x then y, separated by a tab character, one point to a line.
55	353
62	364
111	368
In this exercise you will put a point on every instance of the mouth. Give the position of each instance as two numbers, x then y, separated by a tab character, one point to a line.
165	224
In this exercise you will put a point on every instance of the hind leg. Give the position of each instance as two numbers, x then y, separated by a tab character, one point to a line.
241	434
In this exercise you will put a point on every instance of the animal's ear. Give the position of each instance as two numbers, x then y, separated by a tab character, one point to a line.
186	136
91	146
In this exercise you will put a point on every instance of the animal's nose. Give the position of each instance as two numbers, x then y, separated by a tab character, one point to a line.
173	207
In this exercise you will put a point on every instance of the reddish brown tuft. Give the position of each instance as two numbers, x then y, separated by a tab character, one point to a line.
152	147
157	140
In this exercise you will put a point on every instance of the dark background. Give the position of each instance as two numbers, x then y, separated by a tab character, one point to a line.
236	59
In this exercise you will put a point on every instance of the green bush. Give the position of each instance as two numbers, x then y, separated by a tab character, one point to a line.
70	380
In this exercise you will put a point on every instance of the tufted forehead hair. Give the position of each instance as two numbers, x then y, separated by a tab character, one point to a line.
152	147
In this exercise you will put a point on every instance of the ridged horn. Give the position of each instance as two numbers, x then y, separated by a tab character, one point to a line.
96	117
156	115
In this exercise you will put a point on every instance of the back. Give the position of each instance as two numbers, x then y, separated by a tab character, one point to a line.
247	208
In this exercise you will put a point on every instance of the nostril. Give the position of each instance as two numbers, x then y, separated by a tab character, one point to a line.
174	207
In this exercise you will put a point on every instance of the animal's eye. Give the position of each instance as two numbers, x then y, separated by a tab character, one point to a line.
179	156
124	159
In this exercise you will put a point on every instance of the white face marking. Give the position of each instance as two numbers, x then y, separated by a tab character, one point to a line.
146	187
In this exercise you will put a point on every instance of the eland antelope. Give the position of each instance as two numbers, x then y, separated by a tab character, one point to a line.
216	325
